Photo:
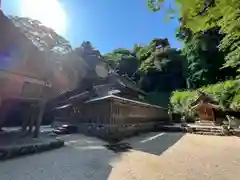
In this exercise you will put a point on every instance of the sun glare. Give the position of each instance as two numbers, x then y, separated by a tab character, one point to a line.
48	12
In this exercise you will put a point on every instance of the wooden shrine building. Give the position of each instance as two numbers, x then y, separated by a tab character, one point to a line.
113	108
205	107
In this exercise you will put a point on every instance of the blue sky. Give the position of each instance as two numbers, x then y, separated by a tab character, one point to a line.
110	24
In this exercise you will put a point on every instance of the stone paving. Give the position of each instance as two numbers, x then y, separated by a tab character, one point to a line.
14	143
16	138
153	156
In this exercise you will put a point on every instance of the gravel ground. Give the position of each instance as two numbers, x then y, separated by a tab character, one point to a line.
170	156
192	157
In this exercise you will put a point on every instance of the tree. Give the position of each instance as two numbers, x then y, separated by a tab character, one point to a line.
44	38
162	67
155	67
201	16
123	61
204	59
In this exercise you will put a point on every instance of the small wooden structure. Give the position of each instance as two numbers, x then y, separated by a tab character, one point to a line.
205	107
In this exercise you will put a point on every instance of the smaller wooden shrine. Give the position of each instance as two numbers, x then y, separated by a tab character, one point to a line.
205	107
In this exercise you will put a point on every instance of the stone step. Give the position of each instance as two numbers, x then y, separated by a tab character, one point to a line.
205	123
209	133
207	129
203	130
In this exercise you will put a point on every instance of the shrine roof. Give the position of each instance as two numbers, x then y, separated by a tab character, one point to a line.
204	98
123	99
202	104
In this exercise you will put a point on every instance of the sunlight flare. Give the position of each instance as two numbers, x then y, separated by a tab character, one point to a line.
48	12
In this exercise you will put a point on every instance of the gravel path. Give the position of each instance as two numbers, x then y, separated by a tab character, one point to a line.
170	156
192	157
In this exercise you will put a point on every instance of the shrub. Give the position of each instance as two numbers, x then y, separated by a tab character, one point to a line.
235	104
180	101
223	92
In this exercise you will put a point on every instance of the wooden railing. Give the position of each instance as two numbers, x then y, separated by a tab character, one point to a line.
112	117
114	110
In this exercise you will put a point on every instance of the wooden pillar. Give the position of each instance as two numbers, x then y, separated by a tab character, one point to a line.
41	107
212	115
110	113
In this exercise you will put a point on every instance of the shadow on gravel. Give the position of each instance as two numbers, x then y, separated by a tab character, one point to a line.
84	157
155	143
119	147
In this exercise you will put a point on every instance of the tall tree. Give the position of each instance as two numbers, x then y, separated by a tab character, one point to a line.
162	67
123	61
204	58
155	67
201	16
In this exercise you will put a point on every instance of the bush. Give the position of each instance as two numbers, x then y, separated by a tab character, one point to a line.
235	104
180	101
226	93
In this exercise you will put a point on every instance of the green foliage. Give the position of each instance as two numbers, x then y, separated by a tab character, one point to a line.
223	92
223	14
161	68
123	61
235	105
112	59
201	16
180	101
155	66
155	5
154	53
204	60
226	93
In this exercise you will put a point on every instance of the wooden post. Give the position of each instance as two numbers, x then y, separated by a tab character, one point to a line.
41	107
212	115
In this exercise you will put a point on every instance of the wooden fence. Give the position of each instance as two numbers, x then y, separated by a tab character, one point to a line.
112	115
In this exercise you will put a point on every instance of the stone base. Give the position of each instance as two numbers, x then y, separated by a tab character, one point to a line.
116	132
19	146
206	129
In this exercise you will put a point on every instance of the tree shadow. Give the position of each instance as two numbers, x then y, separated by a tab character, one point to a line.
119	147
157	144
153	143
85	157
